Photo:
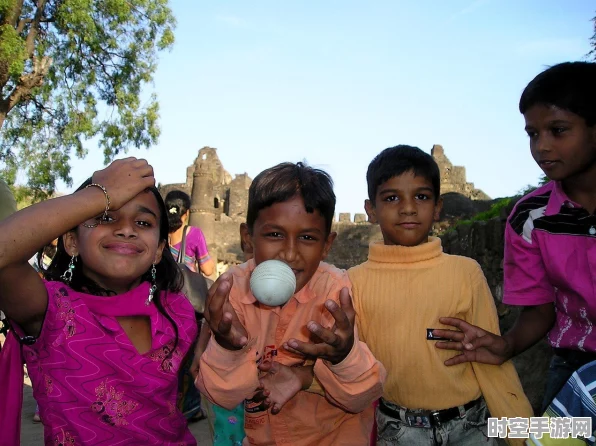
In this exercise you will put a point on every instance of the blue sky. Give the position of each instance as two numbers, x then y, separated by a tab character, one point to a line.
335	82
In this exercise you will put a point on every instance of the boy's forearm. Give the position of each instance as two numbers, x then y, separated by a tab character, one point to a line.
531	326
354	383
227	377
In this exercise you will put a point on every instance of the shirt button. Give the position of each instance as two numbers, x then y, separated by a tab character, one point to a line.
592	230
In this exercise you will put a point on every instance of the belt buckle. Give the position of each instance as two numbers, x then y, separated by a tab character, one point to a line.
436	417
419	421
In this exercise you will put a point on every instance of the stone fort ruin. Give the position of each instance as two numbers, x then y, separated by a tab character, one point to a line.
453	178
219	203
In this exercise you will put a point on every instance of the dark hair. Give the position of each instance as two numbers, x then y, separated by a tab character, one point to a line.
395	161
177	204
283	182
570	86
168	276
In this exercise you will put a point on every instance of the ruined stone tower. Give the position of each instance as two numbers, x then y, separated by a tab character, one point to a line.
453	178
218	202
202	210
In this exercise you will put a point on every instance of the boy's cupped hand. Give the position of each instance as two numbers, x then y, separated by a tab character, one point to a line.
337	342
279	383
474	343
221	317
124	179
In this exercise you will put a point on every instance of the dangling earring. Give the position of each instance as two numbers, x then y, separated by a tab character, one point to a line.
67	275
153	286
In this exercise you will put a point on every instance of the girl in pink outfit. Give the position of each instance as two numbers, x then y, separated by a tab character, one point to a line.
104	335
196	253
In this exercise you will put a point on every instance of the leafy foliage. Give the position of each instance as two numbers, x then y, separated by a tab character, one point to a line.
592	53
71	71
494	211
530	188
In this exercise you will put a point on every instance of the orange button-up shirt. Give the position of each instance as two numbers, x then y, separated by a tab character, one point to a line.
343	416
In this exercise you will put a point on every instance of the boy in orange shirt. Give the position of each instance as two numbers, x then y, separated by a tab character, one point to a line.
290	211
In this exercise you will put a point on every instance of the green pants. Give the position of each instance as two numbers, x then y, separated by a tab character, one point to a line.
227	425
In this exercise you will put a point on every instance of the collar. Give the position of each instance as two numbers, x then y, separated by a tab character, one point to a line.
381	253
131	303
559	199
246	297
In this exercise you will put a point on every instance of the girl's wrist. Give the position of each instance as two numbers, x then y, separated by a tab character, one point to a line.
95	198
105	193
107	198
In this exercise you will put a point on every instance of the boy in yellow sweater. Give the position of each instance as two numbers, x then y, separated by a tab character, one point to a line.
399	295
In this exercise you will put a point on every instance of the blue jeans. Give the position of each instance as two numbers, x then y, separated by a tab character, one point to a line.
562	365
469	430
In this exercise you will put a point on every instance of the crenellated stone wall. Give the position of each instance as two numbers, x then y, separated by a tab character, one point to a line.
351	244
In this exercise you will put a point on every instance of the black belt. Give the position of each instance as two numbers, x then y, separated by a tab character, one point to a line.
427	418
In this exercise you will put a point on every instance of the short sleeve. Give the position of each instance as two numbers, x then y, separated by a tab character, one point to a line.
525	276
199	246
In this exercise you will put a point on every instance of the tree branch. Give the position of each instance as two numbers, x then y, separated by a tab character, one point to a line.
24	22
42	107
34	30
29	81
12	18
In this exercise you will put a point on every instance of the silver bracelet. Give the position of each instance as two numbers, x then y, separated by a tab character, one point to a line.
105	212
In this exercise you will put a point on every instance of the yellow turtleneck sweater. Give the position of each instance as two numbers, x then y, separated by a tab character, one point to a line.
399	293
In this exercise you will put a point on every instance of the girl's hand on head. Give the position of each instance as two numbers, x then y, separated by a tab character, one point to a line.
473	343
221	317
124	179
337	342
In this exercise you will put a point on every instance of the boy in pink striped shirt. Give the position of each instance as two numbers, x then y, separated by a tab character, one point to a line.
550	238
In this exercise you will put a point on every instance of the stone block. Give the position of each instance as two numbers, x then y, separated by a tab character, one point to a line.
360	218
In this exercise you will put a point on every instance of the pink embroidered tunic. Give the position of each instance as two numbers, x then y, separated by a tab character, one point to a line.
92	385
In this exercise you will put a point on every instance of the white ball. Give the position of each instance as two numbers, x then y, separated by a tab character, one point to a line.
273	283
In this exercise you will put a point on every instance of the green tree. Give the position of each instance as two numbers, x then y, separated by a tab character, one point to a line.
592	53
72	70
